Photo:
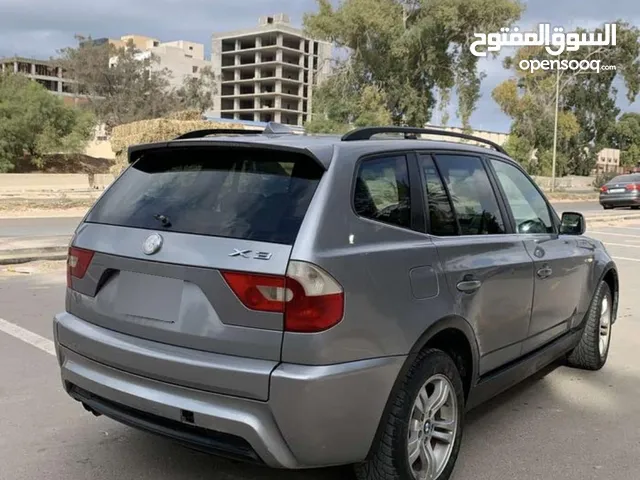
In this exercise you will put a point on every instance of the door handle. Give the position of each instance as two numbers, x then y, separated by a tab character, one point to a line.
469	286
545	272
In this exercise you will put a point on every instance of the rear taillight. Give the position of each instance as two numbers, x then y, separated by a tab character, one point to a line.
317	301
264	293
603	189
634	187
78	260
311	300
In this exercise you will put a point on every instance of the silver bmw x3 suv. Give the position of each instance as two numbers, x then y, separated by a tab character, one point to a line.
304	301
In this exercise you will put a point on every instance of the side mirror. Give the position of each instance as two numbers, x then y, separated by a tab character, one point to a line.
573	223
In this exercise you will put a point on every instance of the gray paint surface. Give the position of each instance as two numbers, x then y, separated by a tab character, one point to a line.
571	419
512	311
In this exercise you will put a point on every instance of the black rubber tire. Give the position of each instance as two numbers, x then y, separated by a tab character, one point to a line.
388	459
587	354
607	207
635	207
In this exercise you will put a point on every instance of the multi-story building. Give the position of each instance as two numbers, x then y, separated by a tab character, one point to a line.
46	73
181	58
268	73
608	160
496	137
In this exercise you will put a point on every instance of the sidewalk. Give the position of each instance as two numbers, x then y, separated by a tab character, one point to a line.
14	250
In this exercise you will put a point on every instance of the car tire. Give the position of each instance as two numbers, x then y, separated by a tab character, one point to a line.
398	453
593	350
635	207
607	207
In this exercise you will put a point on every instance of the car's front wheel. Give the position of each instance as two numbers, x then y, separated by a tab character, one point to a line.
423	430
593	350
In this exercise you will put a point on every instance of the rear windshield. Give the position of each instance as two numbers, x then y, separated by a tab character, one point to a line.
625	178
240	193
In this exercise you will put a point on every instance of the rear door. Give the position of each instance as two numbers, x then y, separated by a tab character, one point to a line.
190	245
488	270
562	263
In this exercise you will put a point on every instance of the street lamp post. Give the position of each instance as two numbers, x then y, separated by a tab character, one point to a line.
555	134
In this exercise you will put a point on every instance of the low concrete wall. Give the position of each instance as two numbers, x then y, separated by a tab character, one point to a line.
25	182
569	183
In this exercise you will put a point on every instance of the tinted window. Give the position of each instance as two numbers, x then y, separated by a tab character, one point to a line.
382	191
528	207
442	222
473	198
241	193
625	178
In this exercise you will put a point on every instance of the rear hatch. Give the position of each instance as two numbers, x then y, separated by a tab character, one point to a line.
621	186
189	247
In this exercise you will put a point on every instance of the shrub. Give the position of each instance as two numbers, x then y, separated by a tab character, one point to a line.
603	178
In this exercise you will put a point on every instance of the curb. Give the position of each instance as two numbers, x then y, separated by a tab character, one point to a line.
32	254
612	218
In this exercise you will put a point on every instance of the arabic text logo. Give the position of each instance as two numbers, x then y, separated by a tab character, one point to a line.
555	40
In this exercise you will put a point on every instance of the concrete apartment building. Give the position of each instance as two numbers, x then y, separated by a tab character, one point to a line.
182	58
497	137
267	73
46	73
608	161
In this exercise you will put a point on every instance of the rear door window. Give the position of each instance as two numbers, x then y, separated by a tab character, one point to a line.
472	195
442	221
246	193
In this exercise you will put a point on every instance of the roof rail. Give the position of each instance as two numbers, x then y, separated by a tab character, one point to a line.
365	133
219	131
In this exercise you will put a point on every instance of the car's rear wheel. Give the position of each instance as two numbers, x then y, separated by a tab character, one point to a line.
607	207
593	350
423	429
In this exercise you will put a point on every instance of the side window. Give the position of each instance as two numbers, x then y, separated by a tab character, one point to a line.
473	199
382	191
442	221
528	207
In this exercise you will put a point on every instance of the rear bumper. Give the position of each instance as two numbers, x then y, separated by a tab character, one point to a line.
630	199
315	416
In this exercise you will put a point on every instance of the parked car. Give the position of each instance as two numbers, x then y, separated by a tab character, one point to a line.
304	301
621	191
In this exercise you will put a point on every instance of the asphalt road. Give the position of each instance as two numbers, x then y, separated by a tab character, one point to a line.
562	424
27	227
35	227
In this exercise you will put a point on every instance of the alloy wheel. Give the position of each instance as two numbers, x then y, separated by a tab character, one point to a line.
432	428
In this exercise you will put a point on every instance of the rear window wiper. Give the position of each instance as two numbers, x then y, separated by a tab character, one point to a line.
163	219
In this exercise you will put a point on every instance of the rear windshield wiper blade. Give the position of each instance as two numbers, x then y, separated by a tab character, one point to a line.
163	219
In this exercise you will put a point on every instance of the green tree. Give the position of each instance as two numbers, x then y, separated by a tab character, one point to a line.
331	115
34	122
121	84
410	50
626	137
125	85
587	101
197	93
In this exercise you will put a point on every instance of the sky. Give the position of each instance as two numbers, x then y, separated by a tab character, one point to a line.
39	28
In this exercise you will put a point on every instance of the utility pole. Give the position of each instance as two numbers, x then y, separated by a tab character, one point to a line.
555	134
